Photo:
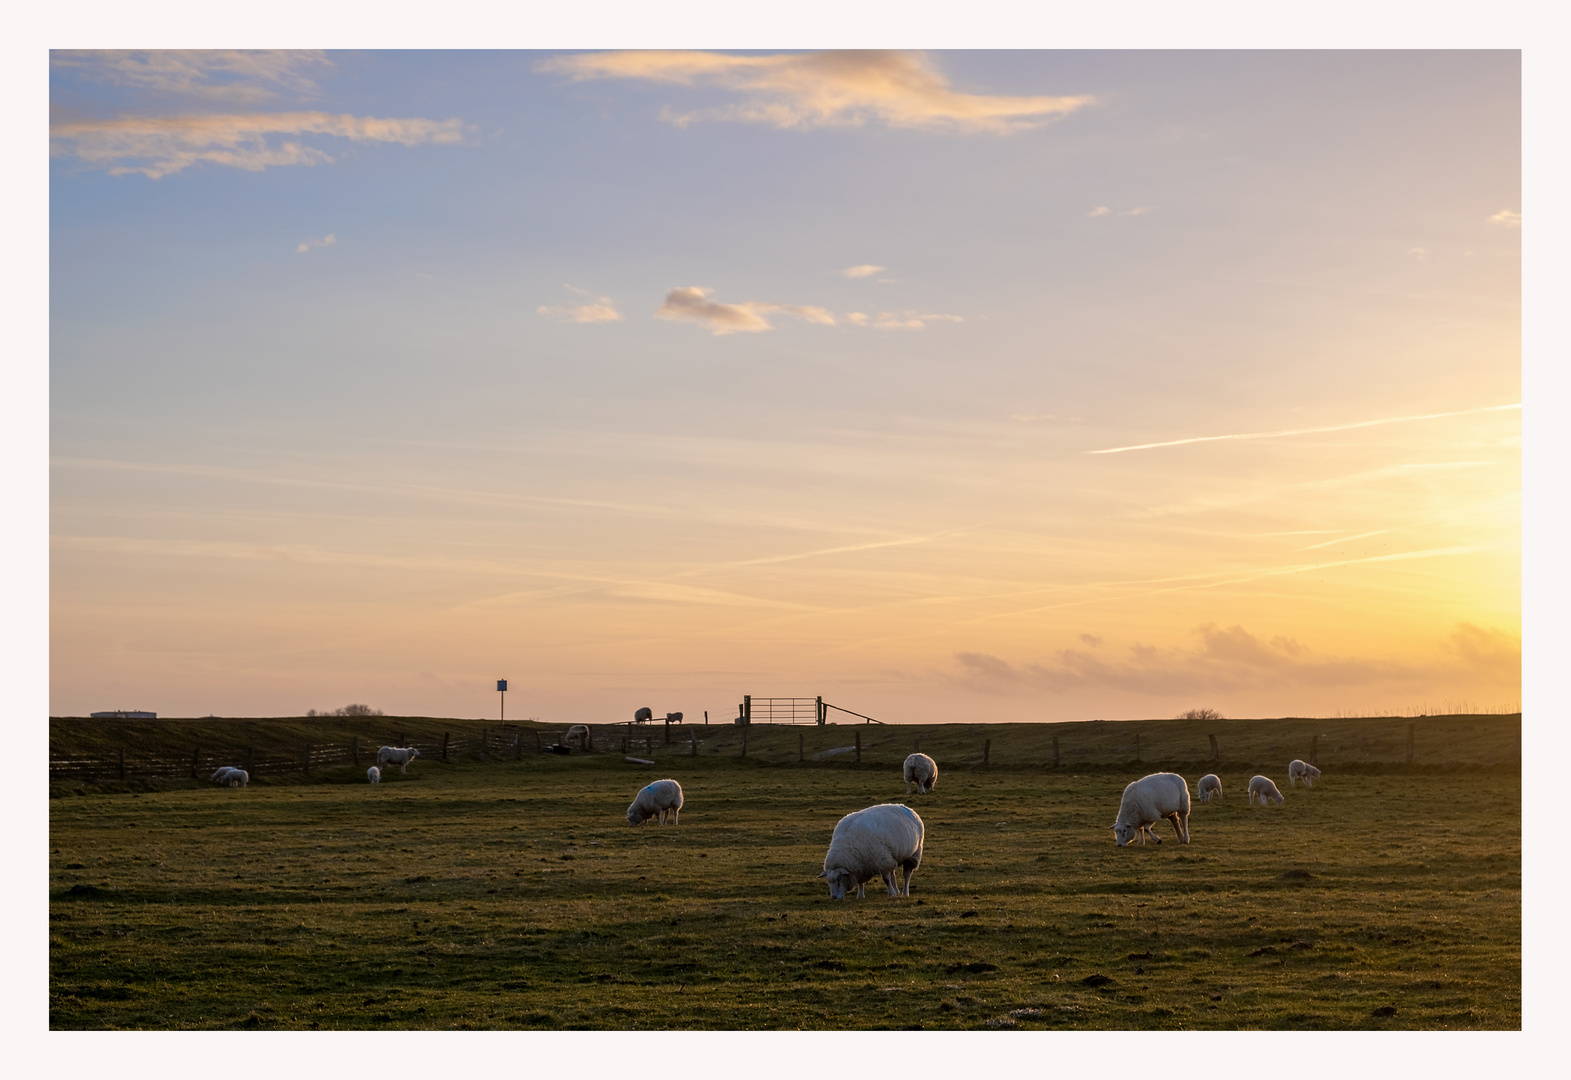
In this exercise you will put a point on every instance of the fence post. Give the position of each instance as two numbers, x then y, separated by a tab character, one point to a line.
1314	750
444	746
799	745
1215	754
401	740
695	740
859	748
354	748
196	755
122	763
538	747
1055	751
1410	743
668	731
1137	746
987	750
747	712
820	711
250	760
305	759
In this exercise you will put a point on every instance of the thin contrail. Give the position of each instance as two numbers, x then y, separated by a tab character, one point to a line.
1306	431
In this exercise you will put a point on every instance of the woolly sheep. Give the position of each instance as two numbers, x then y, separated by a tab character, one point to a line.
396	755
644	714
577	735
1210	787
221	776
924	771
1301	770
1147	801
874	843
229	776
373	775
655	801
1262	788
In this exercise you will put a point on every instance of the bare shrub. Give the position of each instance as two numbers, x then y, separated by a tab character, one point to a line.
1200	714
347	710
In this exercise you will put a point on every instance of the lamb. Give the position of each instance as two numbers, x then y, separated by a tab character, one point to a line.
924	771
577	735
396	755
1301	770
373	775
1261	787
874	843
1147	801
655	801
1210	787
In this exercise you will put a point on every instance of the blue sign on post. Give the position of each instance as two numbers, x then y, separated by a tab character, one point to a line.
501	685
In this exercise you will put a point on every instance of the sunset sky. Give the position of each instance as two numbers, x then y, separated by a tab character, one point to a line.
950	386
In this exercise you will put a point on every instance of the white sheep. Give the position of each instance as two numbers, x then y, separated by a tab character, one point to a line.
577	735
229	776
874	843
655	801
1262	788
1301	770
396	755
373	775
1147	801
924	771
1209	787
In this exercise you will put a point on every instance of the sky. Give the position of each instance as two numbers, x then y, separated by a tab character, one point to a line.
950	386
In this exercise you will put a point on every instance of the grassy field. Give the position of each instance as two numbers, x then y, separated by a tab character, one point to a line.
510	894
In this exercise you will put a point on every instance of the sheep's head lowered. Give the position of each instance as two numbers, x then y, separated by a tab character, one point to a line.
1125	833
840	882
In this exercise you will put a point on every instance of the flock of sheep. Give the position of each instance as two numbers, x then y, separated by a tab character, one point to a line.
884	841
1166	795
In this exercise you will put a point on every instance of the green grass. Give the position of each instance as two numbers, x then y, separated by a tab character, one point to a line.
514	895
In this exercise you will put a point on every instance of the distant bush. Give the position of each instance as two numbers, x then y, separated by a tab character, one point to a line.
347	710
1200	714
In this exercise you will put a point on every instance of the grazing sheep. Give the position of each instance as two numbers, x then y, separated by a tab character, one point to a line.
374	775
1301	770
229	776
1147	801
644	714
924	771
1210	786
655	801
577	735
1262	788
396	755
874	843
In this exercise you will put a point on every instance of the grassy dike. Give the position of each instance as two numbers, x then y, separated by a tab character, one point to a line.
512	894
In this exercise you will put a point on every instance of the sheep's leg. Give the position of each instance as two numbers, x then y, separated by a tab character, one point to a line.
890	877
674	811
861	890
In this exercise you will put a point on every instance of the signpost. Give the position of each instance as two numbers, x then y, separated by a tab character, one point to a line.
501	688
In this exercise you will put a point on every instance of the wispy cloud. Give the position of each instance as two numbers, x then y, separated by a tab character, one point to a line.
694	304
598	309
1345	540
157	146
1305	431
808	90
1233	658
865	270
1510	219
237	75
899	320
1107	211
307	245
